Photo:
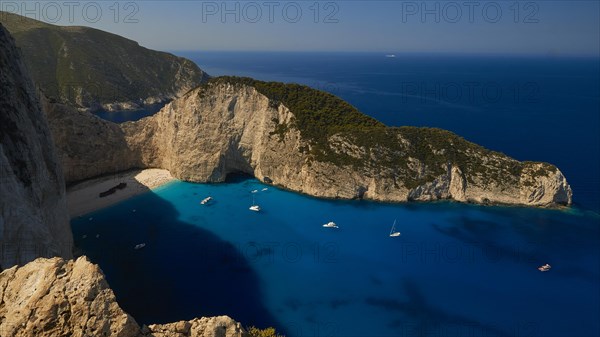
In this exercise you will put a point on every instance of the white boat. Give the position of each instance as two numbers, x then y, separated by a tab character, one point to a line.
254	191
265	189
393	232
206	201
139	246
545	267
390	56
331	224
254	207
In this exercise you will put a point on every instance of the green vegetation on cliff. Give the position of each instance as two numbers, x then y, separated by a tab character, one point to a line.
340	134
86	67
318	114
268	332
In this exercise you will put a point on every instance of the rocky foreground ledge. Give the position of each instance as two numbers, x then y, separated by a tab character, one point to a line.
56	297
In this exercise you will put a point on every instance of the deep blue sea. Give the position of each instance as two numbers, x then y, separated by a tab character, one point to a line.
456	270
129	115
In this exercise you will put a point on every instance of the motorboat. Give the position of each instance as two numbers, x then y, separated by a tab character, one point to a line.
331	224
545	267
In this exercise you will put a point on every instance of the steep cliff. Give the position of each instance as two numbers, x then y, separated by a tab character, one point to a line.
92	69
54	297
314	143
33	212
88	146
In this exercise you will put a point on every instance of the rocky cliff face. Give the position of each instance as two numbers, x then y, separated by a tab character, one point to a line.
33	213
223	127
87	145
91	69
54	297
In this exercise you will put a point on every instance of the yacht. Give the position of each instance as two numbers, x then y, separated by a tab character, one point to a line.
139	246
206	201
331	224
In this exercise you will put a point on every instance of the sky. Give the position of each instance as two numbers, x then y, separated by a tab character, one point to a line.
549	27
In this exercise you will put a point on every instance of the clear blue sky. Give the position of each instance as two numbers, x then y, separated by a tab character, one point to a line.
511	27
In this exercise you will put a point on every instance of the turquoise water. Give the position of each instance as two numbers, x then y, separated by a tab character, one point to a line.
456	270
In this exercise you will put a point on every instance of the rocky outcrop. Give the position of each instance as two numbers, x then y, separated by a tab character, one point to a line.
33	213
54	297
220	326
222	127
95	70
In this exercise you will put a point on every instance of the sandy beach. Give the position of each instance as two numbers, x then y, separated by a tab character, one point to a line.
84	197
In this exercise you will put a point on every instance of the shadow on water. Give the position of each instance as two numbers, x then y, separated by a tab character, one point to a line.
536	236
425	319
183	272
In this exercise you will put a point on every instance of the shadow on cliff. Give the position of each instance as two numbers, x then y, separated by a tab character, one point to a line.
183	272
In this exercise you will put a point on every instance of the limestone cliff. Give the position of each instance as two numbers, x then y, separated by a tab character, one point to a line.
33	213
88	146
54	297
241	125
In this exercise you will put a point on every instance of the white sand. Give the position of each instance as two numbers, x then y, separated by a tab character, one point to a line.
84	197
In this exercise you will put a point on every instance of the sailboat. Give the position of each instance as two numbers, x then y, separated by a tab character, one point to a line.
393	232
254	206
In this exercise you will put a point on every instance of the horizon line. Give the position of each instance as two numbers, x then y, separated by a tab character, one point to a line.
397	54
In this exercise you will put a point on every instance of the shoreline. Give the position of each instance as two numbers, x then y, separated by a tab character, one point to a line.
83	197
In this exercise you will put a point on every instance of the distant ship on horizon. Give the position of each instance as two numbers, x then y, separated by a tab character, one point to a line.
390	55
